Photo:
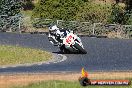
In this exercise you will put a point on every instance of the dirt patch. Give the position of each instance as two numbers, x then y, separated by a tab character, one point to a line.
9	80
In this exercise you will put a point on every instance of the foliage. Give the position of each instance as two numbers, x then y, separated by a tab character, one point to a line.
129	21
94	12
28	5
118	15
27	13
81	10
57	9
10	7
41	23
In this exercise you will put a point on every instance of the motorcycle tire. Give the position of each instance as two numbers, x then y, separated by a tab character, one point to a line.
64	50
81	50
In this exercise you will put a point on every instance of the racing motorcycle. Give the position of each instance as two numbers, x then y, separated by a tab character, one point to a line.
70	43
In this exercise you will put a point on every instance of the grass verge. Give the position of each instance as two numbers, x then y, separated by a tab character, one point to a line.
40	80
65	84
10	55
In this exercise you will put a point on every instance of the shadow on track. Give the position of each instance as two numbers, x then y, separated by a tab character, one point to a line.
60	52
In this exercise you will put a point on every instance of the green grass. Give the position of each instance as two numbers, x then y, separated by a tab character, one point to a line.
64	84
10	55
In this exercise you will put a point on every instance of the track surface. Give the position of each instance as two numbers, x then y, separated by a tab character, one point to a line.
103	54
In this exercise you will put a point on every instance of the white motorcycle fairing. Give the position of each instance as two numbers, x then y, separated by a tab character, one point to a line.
70	41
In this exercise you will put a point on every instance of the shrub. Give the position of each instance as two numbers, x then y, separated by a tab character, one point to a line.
94	12
57	9
129	21
118	15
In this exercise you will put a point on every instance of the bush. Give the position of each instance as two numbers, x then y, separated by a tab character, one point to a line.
94	12
57	9
80	10
118	15
41	23
129	21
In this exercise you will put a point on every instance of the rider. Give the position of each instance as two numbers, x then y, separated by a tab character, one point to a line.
55	35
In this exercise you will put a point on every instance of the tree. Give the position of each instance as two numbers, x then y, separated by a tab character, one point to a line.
9	8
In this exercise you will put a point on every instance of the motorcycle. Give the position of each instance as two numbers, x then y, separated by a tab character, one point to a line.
71	43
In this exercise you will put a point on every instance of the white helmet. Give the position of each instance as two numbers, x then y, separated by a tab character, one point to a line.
53	29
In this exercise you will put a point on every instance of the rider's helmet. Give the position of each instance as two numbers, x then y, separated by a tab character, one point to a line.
53	29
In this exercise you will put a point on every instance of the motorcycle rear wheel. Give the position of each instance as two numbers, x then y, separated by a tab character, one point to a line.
64	50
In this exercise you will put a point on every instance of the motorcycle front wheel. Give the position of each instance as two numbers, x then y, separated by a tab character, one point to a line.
80	49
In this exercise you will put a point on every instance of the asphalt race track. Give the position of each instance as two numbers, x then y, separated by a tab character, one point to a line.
103	54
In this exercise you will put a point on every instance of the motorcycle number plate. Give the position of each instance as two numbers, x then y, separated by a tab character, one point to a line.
69	39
